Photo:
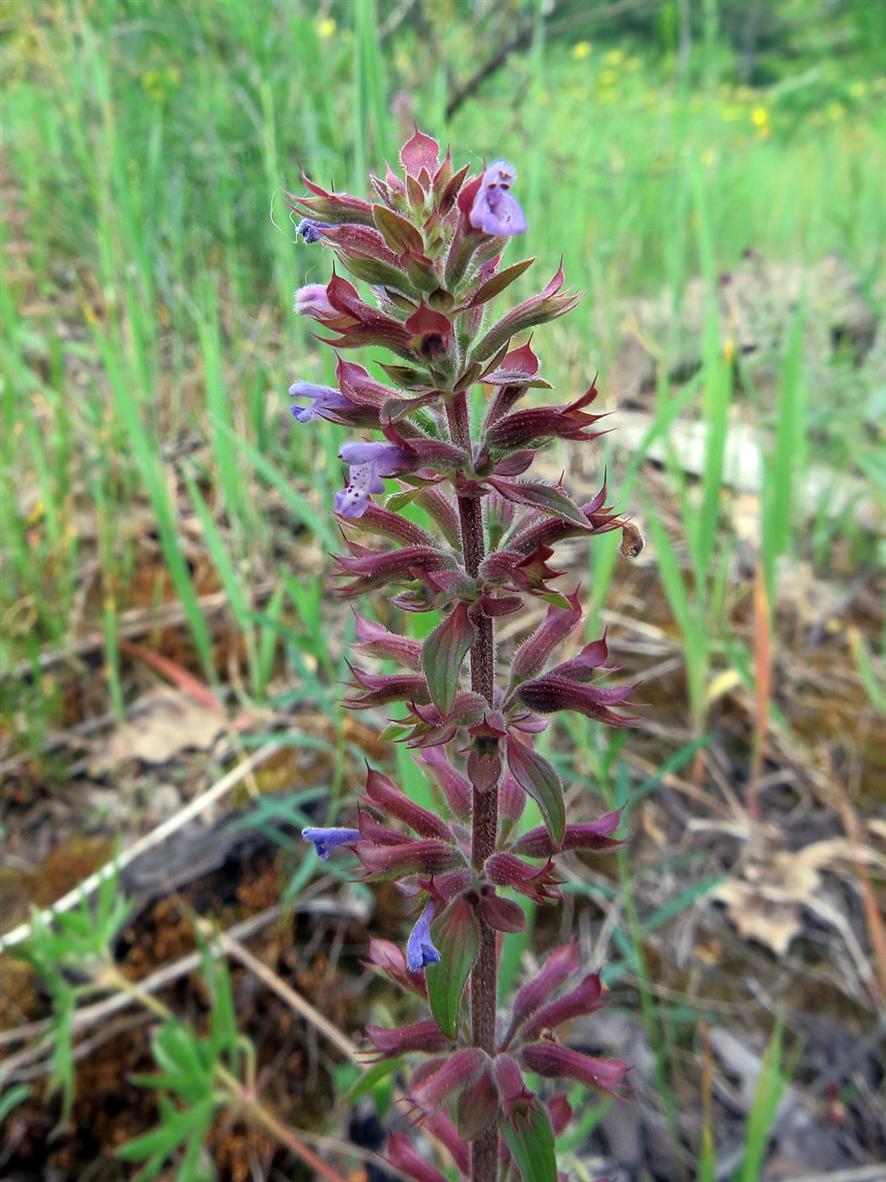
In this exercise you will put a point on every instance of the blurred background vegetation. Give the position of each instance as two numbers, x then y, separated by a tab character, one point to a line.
711	170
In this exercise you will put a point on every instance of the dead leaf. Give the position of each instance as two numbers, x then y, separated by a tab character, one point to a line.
164	722
757	916
767	903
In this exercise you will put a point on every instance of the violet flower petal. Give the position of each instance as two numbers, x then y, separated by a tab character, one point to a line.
385	457
311	231
495	210
420	950
353	499
322	398
327	839
312	300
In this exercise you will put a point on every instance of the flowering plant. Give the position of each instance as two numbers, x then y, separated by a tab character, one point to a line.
430	248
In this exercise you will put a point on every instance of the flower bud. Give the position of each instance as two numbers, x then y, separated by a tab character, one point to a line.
425	1037
587	835
428	857
578	1003
559	1062
557	968
434	1082
409	1161
383	794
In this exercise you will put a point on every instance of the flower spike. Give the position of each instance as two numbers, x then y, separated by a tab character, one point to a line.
444	512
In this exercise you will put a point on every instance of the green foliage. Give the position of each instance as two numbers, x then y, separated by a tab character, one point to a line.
539	780
456	936
69	951
11	1099
193	1082
531	1141
443	654
767	1097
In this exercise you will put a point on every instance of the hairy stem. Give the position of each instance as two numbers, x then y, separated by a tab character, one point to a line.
484	975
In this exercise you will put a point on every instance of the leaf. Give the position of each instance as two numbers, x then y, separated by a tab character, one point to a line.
398	500
477	1107
399	234
175	1128
12	1098
498	282
369	1078
456	937
541	496
165	722
539	780
532	1146
442	655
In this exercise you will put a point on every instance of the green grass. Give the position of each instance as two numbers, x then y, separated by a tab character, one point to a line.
149	290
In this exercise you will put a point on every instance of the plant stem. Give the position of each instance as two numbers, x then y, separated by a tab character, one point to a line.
484	983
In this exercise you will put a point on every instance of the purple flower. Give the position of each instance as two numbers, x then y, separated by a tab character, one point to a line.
327	839
309	230
367	463
322	398
494	210
420	951
312	300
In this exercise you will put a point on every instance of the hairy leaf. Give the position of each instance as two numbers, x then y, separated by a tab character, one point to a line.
539	780
456	937
532	1146
442	655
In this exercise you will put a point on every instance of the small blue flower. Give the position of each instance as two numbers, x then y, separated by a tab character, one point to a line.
322	398
310	231
420	950
327	839
494	210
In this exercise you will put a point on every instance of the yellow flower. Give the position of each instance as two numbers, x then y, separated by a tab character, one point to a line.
326	28
158	84
608	78
836	111
760	117
614	57
581	50
729	349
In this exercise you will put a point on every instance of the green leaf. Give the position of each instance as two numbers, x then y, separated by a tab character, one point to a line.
532	1147
771	1083
543	496
399	234
498	282
175	1128
539	780
442	655
12	1099
456	937
398	500
368	1080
